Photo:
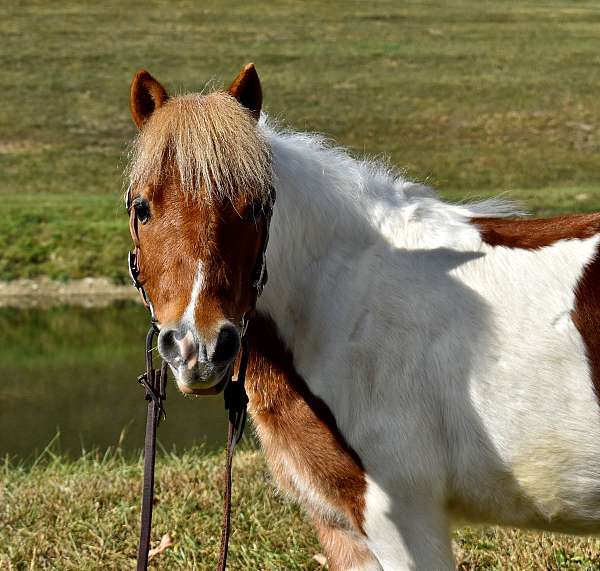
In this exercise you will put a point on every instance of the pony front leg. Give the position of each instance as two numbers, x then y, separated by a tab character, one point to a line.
345	549
407	533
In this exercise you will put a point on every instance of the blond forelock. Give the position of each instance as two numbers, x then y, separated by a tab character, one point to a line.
210	143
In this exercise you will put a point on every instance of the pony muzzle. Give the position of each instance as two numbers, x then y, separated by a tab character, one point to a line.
199	363
188	350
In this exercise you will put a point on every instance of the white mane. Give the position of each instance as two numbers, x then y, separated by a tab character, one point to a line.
337	189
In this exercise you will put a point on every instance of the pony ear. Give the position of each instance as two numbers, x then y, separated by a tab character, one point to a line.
145	96
246	89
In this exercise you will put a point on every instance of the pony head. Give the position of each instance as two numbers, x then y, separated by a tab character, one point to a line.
200	187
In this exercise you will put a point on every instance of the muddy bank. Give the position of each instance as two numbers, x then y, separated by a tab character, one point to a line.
44	292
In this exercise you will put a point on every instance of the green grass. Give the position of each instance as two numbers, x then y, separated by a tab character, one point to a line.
84	514
469	96
63	236
73	235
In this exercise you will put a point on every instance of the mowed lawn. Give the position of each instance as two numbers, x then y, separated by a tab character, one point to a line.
88	518
474	98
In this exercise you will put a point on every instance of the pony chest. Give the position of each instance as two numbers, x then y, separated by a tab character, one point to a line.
304	448
309	459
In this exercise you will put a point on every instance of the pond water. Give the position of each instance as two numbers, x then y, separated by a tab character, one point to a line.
72	371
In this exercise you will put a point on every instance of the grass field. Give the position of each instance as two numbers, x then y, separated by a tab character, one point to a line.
470	97
88	517
475	98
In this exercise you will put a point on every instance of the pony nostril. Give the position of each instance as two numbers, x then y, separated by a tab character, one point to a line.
188	349
178	347
166	344
227	346
168	339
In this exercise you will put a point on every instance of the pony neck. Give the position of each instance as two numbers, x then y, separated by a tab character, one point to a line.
318	227
330	210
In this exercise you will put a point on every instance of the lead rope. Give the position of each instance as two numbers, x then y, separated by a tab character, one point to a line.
236	402
155	383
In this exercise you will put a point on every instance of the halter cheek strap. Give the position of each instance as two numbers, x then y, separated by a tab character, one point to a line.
261	275
133	258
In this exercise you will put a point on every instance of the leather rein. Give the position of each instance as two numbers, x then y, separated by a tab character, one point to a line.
154	382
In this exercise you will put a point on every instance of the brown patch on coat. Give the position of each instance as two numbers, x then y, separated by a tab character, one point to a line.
538	233
535	233
298	431
344	549
182	232
586	316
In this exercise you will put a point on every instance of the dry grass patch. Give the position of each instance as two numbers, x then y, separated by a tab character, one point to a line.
84	514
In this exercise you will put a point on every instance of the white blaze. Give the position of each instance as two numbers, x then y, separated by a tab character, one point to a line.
188	314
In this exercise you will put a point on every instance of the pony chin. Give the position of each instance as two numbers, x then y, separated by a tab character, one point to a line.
192	383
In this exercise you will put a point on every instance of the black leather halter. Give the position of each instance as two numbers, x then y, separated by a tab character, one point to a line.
155	384
133	257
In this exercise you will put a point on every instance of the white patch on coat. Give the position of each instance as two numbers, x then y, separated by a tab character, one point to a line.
408	534
450	366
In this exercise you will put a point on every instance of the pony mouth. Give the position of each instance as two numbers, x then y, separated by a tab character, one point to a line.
201	378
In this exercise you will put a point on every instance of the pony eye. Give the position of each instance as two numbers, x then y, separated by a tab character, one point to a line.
255	212
142	210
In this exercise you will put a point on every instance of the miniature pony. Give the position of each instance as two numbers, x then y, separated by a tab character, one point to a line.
413	363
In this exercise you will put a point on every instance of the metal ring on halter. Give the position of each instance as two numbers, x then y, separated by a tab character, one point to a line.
243	325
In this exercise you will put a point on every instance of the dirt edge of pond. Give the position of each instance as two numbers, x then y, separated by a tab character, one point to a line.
44	292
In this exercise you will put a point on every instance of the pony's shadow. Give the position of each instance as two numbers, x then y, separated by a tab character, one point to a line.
450	327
